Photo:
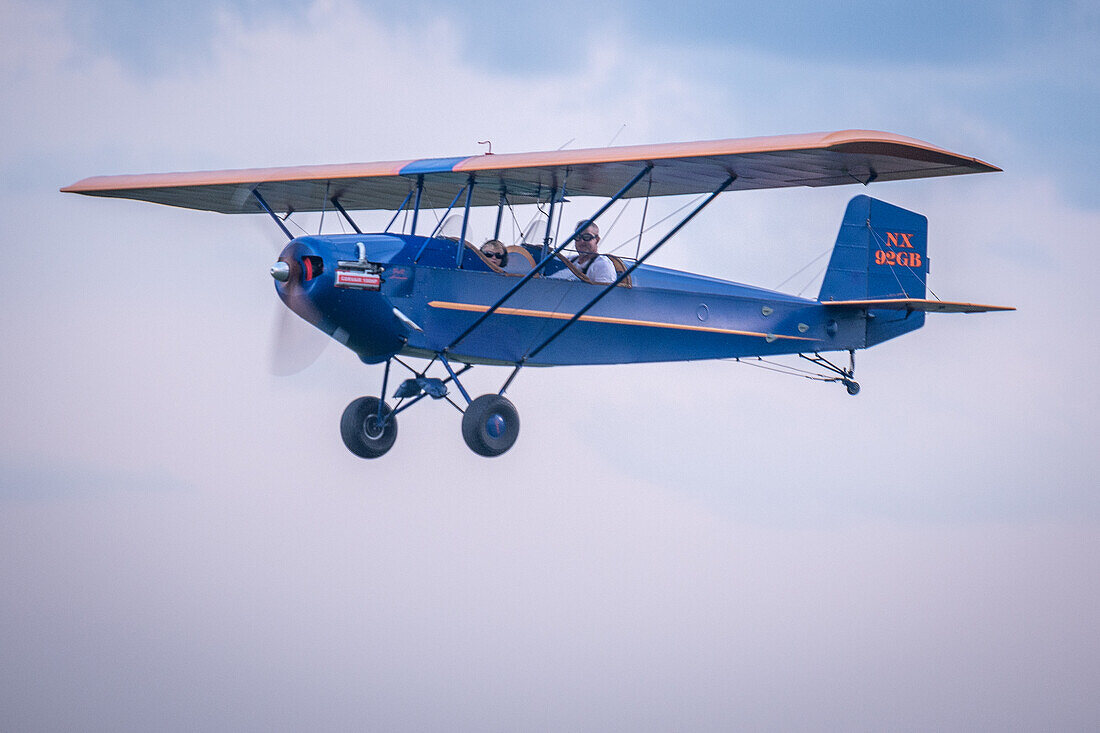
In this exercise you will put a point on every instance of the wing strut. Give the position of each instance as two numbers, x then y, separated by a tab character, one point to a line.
263	204
441	221
542	263
560	196
500	213
345	214
465	220
416	206
399	210
728	182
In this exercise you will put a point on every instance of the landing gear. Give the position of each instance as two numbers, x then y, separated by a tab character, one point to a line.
845	375
367	431
490	425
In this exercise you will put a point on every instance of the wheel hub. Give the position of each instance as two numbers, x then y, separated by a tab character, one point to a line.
372	427
495	425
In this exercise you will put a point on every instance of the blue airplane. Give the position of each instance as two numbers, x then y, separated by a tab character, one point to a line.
390	295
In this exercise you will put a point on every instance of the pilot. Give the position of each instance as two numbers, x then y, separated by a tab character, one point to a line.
495	252
588	260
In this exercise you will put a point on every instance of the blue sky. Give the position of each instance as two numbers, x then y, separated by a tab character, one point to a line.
186	544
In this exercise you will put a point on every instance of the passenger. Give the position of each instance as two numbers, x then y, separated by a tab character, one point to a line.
495	252
588	260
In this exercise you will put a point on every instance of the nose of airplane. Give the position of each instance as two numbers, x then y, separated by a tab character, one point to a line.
295	273
280	271
298	265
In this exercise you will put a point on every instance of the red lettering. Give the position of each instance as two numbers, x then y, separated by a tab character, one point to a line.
891	239
902	259
905	240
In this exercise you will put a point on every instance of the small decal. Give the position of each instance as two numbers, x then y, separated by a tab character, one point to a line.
358	279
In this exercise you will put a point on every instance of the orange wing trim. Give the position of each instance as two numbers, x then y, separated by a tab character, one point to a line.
813	159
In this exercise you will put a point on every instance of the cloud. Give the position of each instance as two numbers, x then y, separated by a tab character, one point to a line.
666	546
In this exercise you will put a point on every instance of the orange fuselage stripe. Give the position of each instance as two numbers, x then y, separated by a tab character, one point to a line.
475	308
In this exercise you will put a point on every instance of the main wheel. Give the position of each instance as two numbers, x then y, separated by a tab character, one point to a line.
360	429
853	387
490	425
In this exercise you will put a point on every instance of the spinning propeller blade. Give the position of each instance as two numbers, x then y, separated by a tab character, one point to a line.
295	344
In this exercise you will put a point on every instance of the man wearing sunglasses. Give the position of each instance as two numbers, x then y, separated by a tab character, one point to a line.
588	259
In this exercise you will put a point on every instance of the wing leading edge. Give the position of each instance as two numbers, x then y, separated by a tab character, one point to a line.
814	159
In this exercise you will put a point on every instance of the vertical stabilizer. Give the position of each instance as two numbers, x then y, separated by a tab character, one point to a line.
881	253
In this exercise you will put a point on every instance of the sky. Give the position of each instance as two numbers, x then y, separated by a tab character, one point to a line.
186	544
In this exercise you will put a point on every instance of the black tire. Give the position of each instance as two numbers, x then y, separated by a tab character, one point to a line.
490	425
853	387
359	428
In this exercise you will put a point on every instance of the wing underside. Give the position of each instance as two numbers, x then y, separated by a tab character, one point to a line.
815	159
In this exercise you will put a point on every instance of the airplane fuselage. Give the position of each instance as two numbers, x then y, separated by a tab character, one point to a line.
664	315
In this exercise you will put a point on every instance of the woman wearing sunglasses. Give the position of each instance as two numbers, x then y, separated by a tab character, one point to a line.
495	252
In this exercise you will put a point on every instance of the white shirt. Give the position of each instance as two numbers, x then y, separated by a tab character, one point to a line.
599	271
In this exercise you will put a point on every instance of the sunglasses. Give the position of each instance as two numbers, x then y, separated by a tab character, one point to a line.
588	237
498	255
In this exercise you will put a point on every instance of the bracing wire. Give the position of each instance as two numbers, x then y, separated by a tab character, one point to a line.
300	228
660	221
788	370
800	270
615	221
880	241
813	279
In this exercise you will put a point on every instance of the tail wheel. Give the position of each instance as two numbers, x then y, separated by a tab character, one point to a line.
852	387
490	425
364	434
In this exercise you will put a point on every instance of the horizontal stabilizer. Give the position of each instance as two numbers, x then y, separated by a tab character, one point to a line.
918	304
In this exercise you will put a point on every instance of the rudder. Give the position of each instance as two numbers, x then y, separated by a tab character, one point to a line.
881	253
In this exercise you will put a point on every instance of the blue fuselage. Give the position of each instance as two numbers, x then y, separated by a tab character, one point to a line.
664	315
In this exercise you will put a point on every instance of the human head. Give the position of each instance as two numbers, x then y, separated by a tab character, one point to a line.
495	251
589	239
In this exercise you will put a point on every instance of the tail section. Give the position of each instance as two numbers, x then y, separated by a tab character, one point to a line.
881	253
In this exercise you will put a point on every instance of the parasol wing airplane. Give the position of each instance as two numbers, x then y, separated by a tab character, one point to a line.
392	294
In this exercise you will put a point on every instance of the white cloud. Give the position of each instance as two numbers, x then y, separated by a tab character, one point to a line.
695	543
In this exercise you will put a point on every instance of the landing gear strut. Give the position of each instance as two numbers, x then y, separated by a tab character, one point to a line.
846	375
490	423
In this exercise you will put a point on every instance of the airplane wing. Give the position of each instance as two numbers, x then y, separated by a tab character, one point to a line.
814	159
918	304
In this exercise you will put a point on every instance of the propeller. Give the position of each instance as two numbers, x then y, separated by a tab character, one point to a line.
295	344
